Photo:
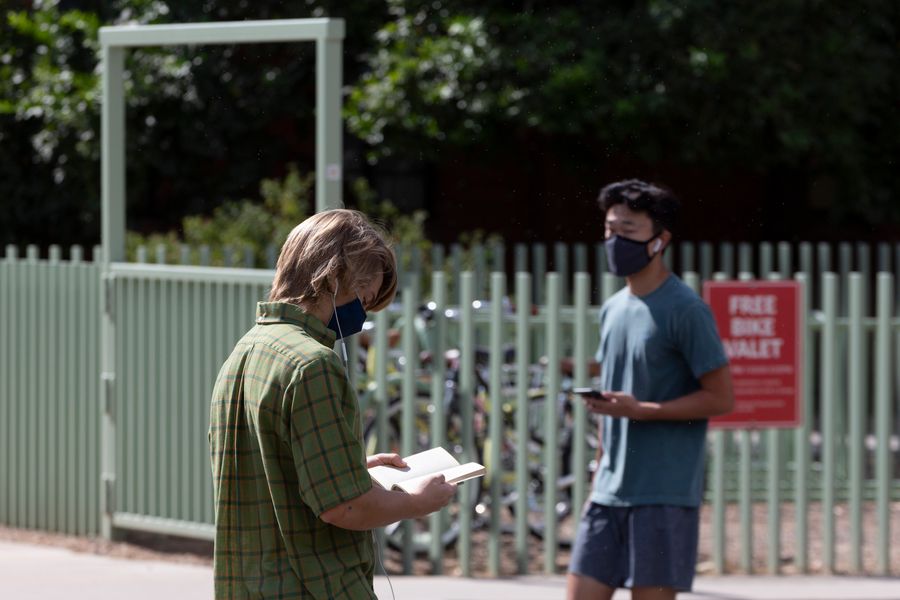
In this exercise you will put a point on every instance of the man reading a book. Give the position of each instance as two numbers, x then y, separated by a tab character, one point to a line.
293	498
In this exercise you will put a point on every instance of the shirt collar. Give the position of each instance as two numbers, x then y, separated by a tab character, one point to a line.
270	313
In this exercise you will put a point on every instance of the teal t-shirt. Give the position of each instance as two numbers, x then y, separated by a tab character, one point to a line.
654	347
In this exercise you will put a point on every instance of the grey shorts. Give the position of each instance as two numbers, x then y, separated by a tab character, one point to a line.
637	546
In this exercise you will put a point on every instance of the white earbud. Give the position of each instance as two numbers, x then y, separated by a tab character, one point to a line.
657	245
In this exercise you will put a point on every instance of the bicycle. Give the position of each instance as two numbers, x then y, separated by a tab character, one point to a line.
478	499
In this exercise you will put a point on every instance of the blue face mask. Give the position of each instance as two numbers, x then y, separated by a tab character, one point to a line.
348	319
626	257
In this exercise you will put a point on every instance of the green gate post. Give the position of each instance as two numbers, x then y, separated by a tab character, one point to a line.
328	35
112	170
329	136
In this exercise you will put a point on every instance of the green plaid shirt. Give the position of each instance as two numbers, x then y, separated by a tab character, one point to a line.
286	445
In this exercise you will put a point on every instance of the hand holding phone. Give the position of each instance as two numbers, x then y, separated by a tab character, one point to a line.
589	393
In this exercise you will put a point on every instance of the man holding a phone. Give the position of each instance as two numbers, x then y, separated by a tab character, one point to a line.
663	373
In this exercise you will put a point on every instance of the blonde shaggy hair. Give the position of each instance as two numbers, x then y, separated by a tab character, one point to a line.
338	246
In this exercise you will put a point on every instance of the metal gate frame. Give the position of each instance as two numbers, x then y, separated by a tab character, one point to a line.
328	34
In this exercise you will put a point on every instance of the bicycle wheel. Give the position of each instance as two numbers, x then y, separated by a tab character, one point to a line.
565	513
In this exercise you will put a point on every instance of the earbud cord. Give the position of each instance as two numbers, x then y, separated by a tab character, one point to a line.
340	332
347	375
381	564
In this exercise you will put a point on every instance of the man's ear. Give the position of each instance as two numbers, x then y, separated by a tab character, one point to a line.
662	241
334	284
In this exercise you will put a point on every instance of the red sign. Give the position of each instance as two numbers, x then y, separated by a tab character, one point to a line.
760	324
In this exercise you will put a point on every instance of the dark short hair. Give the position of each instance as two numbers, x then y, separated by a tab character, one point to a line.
659	203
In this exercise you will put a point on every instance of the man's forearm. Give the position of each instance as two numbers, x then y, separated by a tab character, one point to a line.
701	404
715	397
376	508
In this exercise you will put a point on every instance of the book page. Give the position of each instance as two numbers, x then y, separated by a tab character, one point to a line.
419	464
456	474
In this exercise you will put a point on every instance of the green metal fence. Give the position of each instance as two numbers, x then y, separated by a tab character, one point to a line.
49	390
703	258
172	326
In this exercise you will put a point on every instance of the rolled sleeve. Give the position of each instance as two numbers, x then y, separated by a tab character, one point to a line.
325	439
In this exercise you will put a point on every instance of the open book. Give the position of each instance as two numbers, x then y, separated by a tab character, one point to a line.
423	465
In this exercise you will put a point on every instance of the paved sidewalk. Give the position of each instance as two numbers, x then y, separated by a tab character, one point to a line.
705	588
30	572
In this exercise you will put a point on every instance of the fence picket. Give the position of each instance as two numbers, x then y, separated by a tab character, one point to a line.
561	266
884	364
581	258
687	257
467	398
523	360
551	420
856	404
717	470
884	257
521	258
774	455
802	433
495	433
438	416
6	398
580	378
828	388
410	301
706	261
726	258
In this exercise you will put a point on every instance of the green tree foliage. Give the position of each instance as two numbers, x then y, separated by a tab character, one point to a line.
430	78
260	226
48	123
249	226
204	124
807	86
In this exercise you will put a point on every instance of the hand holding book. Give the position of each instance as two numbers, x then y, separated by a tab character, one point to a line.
388	459
423	466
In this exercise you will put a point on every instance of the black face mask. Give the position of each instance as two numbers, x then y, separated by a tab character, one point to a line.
348	319
626	257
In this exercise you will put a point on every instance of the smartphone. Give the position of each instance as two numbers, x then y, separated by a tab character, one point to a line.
589	392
